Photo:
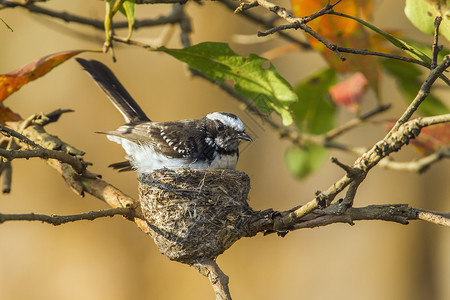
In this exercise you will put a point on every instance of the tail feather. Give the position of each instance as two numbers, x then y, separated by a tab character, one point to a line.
115	91
122	166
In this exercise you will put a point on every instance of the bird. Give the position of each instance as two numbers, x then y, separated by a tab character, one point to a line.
211	142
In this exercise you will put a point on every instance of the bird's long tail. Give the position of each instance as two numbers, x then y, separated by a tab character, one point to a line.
115	91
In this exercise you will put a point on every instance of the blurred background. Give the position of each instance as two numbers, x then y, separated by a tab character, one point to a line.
112	259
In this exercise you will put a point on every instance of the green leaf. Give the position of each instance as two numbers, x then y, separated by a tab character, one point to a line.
410	49
301	162
313	113
409	79
263	85
128	9
422	14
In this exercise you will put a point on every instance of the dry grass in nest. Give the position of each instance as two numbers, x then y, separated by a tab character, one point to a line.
195	214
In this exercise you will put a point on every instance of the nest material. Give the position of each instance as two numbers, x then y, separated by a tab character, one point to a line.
195	214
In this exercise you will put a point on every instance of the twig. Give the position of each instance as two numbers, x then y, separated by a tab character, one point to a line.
54	116
21	137
420	165
267	23
423	92
325	10
295	22
185	26
132	42
381	54
98	24
436	49
6	172
58	219
434	217
245	5
218	279
355	122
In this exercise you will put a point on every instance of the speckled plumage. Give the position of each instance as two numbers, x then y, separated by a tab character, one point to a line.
208	143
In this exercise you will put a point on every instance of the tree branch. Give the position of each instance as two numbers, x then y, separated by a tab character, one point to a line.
77	164
420	165
423	92
58	219
335	132
435	48
218	279
98	24
397	137
399	213
266	22
337	213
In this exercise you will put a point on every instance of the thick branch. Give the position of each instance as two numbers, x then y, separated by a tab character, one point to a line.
399	213
77	164
336	213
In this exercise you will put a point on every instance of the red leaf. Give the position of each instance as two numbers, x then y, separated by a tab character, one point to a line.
7	114
350	91
432	138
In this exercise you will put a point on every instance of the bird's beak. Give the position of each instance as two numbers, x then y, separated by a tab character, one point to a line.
244	136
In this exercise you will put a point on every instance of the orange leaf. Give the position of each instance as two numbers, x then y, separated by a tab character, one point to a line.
13	81
349	92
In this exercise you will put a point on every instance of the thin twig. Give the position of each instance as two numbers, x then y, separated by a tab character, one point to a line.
436	49
297	23
325	10
245	5
6	172
355	122
420	165
98	24
21	137
434	217
58	219
266	22
423	92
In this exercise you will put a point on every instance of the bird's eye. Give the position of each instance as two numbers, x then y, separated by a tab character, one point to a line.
220	127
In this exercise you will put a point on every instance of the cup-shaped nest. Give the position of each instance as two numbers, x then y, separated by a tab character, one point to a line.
195	214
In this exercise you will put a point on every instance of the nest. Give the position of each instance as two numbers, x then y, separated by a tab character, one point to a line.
195	214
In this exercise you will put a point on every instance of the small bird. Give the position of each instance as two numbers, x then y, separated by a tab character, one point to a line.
208	143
